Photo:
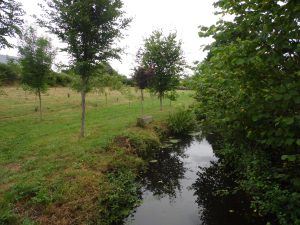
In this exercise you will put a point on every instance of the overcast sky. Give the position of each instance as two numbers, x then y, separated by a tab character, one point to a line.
148	15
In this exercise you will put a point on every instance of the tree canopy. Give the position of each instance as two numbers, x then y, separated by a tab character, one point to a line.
10	21
89	27
143	77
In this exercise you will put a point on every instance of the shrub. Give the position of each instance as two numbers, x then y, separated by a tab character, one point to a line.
59	79
181	122
119	197
9	73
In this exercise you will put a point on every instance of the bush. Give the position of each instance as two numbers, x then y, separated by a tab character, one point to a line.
119	197
59	79
181	122
9	73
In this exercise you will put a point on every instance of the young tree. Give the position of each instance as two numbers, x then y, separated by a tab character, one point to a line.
90	28
10	21
172	96
142	78
36	59
163	55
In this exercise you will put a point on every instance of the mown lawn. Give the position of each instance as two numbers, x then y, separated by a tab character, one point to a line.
48	174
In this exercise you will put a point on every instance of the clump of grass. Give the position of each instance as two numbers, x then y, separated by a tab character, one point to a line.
33	193
144	142
7	216
181	122
122	160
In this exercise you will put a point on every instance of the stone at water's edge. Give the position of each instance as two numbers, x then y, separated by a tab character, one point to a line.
144	120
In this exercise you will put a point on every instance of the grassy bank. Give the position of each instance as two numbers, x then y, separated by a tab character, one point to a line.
49	175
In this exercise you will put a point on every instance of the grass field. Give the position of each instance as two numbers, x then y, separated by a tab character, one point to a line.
48	159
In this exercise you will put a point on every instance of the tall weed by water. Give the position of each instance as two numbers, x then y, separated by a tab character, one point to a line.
181	122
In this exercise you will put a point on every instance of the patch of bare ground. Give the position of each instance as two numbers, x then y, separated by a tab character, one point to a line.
13	167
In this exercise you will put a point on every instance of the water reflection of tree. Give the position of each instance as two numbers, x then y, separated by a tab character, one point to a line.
163	177
226	209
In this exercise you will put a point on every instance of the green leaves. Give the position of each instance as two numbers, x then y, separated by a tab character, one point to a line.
290	158
10	20
36	60
248	96
89	27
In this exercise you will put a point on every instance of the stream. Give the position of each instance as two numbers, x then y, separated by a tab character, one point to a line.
177	189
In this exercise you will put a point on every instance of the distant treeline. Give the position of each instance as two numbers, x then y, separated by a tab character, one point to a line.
11	74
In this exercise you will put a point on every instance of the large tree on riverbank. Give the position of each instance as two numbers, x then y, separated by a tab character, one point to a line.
90	28
249	95
162	55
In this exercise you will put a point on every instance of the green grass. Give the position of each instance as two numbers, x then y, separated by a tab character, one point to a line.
48	160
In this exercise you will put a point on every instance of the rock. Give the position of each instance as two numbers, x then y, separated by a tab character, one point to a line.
143	121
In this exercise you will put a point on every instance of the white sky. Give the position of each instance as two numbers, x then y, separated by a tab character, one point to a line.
148	15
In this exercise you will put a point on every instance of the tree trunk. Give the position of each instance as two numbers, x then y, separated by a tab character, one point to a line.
161	104
142	101
106	98
83	94
40	100
142	94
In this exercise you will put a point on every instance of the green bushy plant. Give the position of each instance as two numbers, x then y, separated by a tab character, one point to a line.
59	79
248	94
181	122
119	197
10	73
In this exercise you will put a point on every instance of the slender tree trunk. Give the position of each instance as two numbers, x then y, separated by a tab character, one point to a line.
142	94
83	95
106	99
40	100
161	102
142	101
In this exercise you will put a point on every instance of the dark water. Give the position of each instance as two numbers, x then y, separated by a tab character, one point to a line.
178	189
167	195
